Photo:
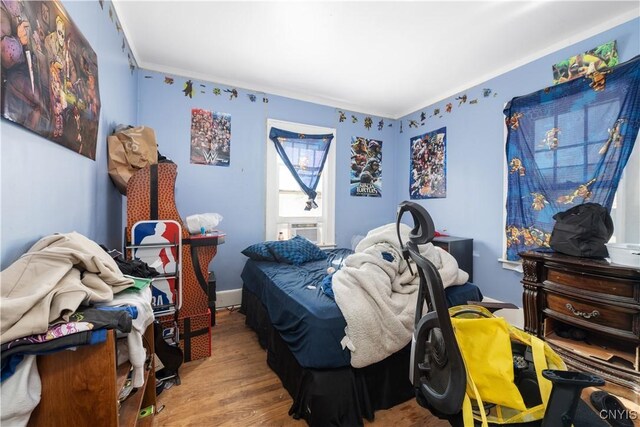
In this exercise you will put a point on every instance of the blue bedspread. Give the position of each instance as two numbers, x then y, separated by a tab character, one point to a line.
308	320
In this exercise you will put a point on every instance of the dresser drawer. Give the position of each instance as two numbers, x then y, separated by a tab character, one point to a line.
620	321
609	287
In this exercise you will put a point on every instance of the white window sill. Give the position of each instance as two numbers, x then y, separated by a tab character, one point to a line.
511	265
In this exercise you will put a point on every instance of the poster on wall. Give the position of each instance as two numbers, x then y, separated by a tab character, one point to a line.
210	137
600	58
49	75
428	177
366	167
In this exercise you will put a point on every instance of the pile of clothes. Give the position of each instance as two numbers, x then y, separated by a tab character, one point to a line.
63	292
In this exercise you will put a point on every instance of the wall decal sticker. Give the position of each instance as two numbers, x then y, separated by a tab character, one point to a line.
428	169
49	75
366	167
233	93
413	124
265	100
354	119
381	124
210	138
188	89
474	101
486	92
599	58
368	122
462	99
168	80
448	107
423	116
342	117
251	97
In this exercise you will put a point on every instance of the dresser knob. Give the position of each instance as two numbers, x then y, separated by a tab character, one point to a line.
594	313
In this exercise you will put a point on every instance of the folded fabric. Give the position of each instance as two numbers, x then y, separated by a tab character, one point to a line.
73	340
85	319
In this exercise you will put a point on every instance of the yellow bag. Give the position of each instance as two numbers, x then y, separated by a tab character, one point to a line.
485	344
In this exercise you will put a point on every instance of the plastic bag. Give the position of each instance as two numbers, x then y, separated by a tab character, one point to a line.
207	221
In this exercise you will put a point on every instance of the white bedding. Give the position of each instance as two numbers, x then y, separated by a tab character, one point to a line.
377	293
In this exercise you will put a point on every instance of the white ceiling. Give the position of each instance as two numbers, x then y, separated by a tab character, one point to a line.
381	58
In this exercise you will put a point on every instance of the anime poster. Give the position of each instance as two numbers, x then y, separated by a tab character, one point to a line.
366	167
160	253
600	58
210	138
49	75
428	178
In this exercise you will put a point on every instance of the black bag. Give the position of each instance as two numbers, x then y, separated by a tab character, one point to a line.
582	231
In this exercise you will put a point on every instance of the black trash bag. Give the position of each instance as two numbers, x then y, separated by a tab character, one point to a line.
582	231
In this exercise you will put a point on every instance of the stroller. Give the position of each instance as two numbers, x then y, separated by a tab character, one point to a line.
437	368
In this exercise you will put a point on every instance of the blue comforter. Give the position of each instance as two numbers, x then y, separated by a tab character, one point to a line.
309	321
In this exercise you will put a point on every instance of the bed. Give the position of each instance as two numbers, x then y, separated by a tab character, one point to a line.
301	328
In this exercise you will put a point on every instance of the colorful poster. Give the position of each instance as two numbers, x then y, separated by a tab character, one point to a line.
428	178
598	59
49	75
210	138
366	167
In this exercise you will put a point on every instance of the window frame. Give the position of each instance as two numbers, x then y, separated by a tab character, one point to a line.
272	215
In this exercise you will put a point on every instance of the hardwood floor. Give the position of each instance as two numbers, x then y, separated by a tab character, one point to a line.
235	387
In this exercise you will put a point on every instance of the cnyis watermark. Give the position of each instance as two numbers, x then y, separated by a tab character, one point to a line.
618	414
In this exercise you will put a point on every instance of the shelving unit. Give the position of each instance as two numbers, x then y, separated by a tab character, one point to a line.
81	387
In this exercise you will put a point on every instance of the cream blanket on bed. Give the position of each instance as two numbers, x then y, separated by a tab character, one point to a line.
377	293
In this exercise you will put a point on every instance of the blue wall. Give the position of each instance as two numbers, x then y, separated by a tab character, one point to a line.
475	158
47	188
237	192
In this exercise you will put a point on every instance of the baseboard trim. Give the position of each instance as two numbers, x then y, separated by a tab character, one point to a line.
229	298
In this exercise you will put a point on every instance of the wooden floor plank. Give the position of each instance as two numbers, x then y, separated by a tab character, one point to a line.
235	387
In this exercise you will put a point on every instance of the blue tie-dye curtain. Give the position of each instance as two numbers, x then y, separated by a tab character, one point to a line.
566	145
305	156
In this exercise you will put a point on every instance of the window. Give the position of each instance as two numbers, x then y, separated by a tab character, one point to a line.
625	210
285	201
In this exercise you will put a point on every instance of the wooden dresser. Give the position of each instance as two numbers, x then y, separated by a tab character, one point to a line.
574	297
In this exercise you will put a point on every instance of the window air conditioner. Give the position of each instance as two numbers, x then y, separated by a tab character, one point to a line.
310	231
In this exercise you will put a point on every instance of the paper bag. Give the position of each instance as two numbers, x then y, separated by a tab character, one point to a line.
129	150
